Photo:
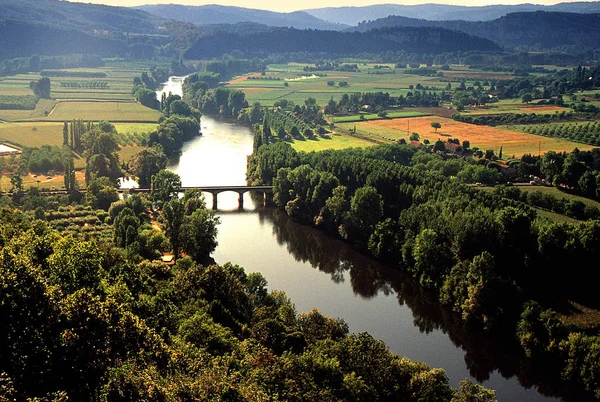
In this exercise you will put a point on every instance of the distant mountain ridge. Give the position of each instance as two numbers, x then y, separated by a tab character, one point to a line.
546	29
442	12
288	40
216	14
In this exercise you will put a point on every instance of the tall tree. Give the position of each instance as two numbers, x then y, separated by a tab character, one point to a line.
65	133
173	214
165	186
147	163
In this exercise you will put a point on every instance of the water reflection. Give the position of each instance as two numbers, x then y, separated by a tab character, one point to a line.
485	355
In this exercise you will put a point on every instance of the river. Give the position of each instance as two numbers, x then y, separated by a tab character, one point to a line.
317	271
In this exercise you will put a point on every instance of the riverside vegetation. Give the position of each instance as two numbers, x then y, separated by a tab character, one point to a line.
488	257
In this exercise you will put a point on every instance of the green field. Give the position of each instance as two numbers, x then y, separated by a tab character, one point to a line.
560	194
112	111
114	103
337	141
300	87
32	134
373	116
36	134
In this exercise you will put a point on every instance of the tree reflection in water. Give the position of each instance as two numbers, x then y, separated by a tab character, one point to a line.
484	352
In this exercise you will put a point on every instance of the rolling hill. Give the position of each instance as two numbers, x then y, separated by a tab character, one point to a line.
441	12
216	14
80	16
541	29
287	40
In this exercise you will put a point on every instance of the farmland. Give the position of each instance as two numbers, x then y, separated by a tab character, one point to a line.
484	137
74	96
291	82
113	111
337	141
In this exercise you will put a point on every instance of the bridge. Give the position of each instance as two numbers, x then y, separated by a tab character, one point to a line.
267	192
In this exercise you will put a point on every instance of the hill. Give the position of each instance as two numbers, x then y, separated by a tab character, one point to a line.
442	12
286	40
216	14
541	29
20	39
80	16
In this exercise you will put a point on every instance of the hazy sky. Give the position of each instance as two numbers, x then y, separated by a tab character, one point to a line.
291	5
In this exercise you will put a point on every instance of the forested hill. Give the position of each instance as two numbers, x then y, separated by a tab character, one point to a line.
445	12
80	16
20	39
546	29
286	40
216	14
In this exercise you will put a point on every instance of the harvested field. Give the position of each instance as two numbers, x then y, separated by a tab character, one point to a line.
243	78
484	137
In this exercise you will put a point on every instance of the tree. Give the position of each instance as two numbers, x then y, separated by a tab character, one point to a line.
366	207
199	234
147	97
69	163
173	214
101	193
147	163
470	392
432	258
126	228
436	125
439	146
165	186
65	133
526	98
41	87
16	181
181	108
414	137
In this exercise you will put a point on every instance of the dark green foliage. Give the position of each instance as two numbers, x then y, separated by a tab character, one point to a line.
147	163
514	118
281	40
173	132
147	97
480	253
40	160
14	102
165	186
41	87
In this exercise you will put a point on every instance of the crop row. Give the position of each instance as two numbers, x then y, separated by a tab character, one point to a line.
588	133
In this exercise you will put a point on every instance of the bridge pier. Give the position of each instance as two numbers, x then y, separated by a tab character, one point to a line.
240	200
267	199
214	206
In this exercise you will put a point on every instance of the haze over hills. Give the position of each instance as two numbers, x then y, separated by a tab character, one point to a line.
285	40
216	14
79	16
51	27
545	29
354	15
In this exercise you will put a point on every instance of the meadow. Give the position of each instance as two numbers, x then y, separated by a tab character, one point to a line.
112	111
484	137
337	141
